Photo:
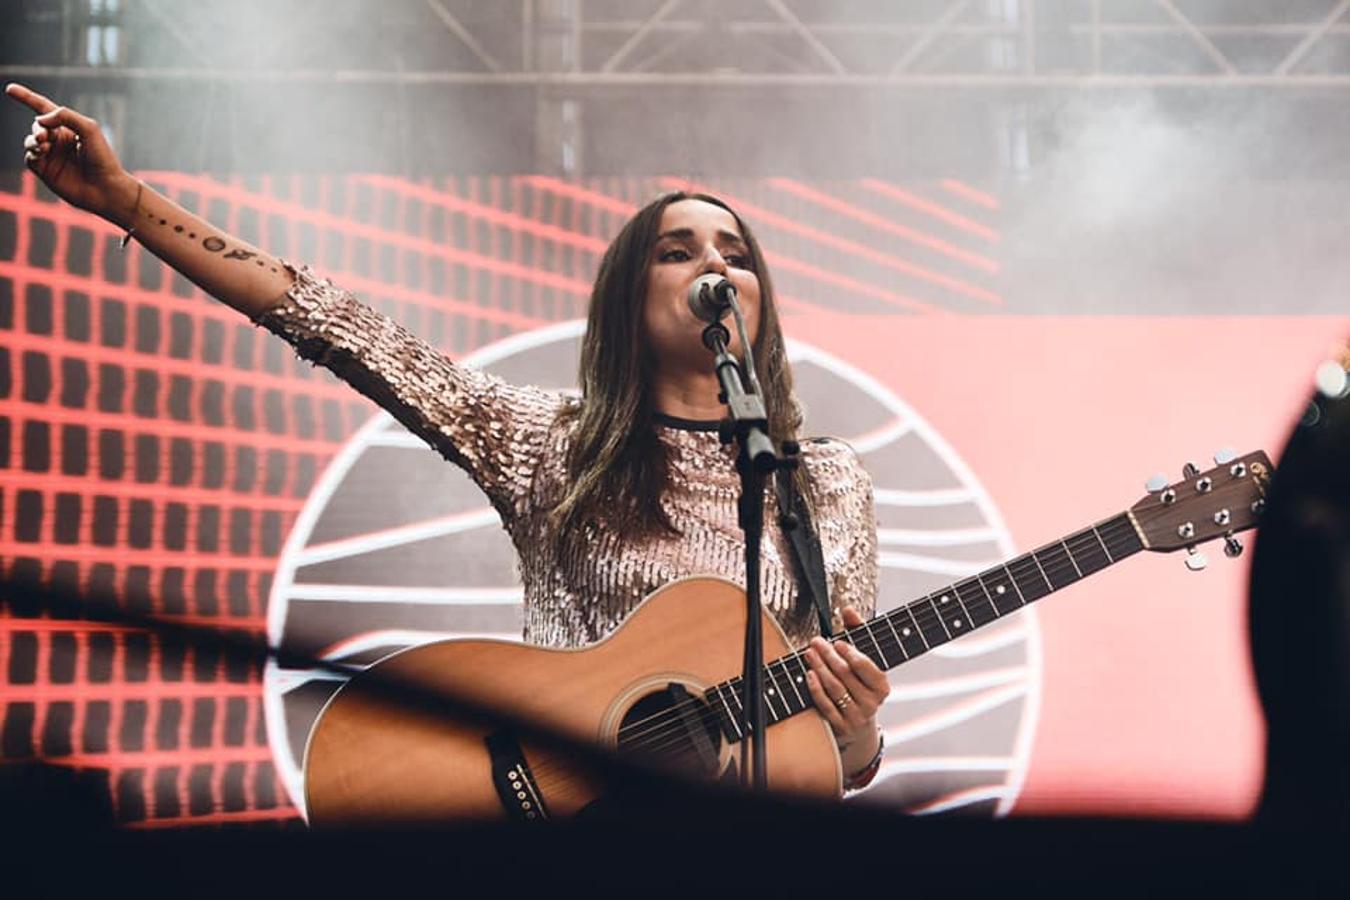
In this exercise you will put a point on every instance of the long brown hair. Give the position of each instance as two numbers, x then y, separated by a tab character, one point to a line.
616	465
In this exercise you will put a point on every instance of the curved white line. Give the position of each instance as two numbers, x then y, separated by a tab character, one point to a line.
914	764
873	440
947	537
397	537
934	564
952	714
288	680
403	637
399	437
960	799
963	684
936	497
381	593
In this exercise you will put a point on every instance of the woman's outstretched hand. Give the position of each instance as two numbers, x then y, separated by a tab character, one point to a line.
72	157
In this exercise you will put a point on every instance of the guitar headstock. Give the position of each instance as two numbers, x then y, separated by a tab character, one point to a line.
1204	506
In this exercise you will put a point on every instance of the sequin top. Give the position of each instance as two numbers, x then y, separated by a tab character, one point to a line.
513	444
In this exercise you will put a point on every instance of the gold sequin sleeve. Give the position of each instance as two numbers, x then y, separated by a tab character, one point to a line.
497	432
846	521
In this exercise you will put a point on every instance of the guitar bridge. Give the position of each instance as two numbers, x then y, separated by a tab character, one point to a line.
512	778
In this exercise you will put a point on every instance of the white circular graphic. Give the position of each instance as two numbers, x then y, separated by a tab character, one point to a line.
396	547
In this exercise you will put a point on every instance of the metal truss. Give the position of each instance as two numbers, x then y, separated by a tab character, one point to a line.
714	43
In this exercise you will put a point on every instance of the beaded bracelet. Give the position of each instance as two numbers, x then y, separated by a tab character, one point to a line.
863	778
126	238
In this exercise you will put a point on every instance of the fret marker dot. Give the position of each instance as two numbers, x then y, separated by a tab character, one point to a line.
770	692
944	598
1000	590
956	622
905	632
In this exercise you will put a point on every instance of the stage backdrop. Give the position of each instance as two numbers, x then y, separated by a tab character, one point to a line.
157	448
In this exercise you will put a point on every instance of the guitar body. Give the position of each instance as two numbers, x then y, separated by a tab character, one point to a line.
371	760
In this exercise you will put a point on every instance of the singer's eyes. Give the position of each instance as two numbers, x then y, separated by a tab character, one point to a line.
677	254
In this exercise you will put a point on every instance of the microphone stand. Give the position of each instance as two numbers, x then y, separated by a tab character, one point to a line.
747	424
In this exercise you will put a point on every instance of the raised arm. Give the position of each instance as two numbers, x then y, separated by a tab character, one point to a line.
69	153
496	431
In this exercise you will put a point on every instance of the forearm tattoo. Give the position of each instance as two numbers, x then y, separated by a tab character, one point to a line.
214	243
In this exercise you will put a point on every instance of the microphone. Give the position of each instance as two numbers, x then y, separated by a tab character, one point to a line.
710	297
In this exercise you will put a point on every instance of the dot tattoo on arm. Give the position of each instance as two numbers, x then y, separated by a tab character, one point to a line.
216	244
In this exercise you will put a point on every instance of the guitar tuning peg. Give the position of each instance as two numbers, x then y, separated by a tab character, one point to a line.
1195	560
1190	470
1232	547
1224	456
1156	483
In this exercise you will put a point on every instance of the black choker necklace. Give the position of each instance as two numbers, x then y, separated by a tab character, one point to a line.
686	424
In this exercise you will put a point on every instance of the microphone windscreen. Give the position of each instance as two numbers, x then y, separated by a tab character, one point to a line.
710	296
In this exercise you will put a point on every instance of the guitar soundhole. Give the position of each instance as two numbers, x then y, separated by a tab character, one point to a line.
673	728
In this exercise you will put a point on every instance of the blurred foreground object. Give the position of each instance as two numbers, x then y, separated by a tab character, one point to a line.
1300	613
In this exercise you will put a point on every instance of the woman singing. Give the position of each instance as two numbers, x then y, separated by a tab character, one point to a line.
606	498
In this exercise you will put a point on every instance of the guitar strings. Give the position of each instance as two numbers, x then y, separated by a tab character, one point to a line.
664	730
927	616
668	730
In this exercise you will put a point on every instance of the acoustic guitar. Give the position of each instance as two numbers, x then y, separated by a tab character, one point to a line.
665	685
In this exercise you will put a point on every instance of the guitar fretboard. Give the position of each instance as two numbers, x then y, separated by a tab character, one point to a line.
920	625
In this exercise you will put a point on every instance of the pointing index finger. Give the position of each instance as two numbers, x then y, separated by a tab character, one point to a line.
29	98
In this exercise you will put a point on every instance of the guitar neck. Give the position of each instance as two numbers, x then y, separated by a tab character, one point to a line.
914	628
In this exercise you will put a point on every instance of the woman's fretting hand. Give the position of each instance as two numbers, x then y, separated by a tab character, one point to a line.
848	689
69	153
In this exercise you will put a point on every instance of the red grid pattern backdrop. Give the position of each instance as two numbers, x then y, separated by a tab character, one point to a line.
156	448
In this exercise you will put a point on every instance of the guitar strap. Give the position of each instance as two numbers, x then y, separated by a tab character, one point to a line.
795	519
